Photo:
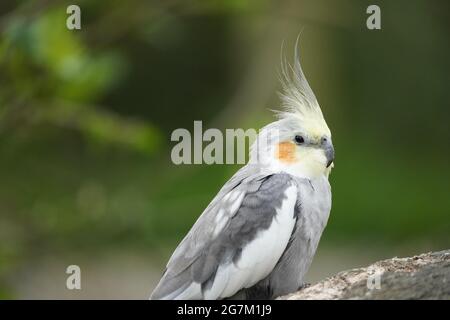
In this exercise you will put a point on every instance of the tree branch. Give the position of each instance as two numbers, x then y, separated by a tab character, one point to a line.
426	276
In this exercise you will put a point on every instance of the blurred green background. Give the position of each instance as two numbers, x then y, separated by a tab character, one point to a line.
86	118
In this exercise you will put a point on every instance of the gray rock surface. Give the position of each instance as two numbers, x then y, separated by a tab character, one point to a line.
426	276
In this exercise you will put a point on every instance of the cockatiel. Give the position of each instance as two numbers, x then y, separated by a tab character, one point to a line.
258	236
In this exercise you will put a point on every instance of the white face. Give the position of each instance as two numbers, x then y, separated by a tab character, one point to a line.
303	155
303	149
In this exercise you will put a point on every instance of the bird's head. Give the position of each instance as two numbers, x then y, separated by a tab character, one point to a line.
299	142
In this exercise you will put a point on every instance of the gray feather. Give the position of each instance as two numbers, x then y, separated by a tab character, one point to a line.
201	252
312	211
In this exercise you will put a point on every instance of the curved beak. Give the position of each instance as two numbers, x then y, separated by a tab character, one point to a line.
329	154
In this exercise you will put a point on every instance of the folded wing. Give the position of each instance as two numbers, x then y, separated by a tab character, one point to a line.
236	242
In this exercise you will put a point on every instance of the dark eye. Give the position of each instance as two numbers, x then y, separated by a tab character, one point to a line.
299	139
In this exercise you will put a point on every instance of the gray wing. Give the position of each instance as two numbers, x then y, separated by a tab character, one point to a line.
246	205
312	212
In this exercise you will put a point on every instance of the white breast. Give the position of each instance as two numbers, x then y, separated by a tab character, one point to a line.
260	256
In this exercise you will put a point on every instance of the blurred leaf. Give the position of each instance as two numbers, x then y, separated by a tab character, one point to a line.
102	127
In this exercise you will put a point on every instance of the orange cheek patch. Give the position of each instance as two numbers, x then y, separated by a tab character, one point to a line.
286	152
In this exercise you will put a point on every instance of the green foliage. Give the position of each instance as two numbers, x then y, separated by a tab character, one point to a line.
86	117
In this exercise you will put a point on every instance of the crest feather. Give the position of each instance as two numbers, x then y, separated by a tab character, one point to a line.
298	99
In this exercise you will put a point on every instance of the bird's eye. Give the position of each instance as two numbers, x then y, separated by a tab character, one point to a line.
299	139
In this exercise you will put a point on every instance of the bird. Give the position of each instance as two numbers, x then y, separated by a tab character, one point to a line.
258	236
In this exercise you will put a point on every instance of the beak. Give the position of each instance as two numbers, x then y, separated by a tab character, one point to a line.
329	154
